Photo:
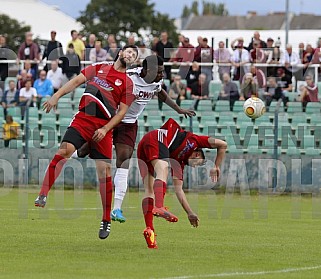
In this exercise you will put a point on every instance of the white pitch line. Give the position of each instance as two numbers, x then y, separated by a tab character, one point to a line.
63	209
254	273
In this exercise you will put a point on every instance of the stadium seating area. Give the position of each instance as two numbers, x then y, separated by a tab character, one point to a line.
299	132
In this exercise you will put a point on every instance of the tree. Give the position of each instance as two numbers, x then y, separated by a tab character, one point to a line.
13	31
194	8
162	22
122	17
214	9
186	11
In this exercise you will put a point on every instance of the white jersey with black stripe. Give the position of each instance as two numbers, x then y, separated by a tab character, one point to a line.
144	93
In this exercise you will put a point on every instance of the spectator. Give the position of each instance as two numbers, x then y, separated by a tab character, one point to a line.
229	91
256	53
301	51
112	52
275	57
43	87
249	87
22	78
30	71
98	54
193	74
256	38
317	58
177	90
154	43
131	40
274	92
56	76
200	90
307	60
53	50
291	62
310	92
10	97
163	48
198	49
71	63
260	79
143	52
284	81
206	56
29	50
239	60
5	54
78	45
160	103
184	53
222	55
89	46
27	96
10	130
111	40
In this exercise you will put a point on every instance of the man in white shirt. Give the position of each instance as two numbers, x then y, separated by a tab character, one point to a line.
291	61
55	75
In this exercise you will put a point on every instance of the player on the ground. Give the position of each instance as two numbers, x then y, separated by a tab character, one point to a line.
147	81
155	150
108	94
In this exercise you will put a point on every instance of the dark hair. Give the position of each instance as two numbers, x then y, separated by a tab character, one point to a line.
72	31
150	61
71	45
200	150
135	48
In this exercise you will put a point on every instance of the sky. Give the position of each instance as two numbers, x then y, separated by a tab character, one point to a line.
235	7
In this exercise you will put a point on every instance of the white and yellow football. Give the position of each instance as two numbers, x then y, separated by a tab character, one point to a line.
254	107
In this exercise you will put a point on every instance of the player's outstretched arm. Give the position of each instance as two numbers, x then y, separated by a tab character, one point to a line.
65	89
164	97
114	121
180	194
221	146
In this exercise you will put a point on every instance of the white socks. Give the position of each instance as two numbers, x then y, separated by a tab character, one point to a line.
120	181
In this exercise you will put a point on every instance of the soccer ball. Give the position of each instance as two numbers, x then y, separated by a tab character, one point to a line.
254	107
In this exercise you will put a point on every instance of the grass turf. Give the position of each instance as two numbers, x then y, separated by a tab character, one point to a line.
265	235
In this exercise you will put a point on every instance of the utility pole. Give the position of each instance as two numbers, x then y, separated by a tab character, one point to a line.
286	22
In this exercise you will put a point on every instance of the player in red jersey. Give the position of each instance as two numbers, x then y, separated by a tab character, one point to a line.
108	94
155	150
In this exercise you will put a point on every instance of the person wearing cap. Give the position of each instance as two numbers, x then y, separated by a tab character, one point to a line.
53	50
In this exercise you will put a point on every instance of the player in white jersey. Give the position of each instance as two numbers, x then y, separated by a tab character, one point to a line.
148	82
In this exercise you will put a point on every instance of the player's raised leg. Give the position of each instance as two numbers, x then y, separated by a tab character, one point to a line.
64	152
123	155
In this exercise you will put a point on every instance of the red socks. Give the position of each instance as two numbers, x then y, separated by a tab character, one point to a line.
52	173
159	191
106	192
148	205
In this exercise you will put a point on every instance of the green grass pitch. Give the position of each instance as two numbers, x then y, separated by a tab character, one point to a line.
238	237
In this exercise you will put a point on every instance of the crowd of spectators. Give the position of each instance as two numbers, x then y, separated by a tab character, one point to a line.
237	64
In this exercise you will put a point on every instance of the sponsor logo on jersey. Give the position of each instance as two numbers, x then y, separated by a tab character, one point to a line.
189	146
118	82
145	95
103	84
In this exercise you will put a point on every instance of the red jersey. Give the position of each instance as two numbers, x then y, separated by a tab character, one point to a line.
182	144
106	89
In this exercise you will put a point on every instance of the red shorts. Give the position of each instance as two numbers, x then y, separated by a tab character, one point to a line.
152	146
125	133
82	129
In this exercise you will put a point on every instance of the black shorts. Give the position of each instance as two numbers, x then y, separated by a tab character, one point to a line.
125	133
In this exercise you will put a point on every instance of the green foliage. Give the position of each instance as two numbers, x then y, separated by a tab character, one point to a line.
186	11
194	8
13	31
209	8
122	17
